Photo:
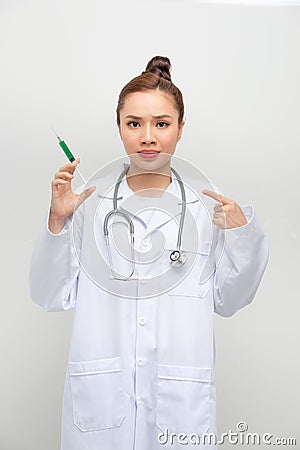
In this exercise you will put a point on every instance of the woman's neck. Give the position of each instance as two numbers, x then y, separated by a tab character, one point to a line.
149	182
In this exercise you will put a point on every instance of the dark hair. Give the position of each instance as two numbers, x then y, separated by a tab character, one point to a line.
156	76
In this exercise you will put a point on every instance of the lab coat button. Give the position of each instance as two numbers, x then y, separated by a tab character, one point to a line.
142	321
143	280
140	362
138	401
145	242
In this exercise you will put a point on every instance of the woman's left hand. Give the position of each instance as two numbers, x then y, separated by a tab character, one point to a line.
227	213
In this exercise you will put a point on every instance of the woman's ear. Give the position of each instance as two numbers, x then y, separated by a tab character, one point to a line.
180	130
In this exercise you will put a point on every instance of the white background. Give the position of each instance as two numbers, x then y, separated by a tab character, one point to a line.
64	63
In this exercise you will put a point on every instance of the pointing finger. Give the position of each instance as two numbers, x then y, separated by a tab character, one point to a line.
218	197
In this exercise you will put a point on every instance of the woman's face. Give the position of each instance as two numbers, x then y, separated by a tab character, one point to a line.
149	129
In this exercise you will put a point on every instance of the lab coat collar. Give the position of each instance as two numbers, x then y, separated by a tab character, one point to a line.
159	217
132	203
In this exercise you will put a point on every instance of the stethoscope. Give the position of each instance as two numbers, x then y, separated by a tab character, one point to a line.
177	256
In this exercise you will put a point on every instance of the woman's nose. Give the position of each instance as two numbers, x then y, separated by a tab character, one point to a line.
148	135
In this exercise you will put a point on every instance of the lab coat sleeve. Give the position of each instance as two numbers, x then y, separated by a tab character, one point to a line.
54	266
241	266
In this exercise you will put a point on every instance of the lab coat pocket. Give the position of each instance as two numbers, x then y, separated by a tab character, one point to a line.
190	287
97	396
183	395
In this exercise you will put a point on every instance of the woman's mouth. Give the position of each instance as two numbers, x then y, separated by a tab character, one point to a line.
148	154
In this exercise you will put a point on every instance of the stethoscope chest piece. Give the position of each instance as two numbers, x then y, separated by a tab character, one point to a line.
177	257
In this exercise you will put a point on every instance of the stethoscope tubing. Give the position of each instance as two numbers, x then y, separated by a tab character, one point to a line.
117	211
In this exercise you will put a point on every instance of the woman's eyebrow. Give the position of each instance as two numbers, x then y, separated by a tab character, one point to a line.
160	116
130	116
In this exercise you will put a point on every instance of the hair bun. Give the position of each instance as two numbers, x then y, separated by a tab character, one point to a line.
161	66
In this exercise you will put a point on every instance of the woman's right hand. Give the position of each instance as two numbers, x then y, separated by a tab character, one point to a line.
64	201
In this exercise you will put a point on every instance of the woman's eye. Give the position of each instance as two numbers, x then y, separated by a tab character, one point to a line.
162	124
133	124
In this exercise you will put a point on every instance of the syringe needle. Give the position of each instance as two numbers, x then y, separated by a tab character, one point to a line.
55	132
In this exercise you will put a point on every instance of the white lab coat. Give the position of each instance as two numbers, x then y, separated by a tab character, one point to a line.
140	365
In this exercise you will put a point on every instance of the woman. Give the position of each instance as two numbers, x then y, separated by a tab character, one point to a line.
142	372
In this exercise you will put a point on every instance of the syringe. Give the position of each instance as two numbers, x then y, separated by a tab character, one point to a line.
68	153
